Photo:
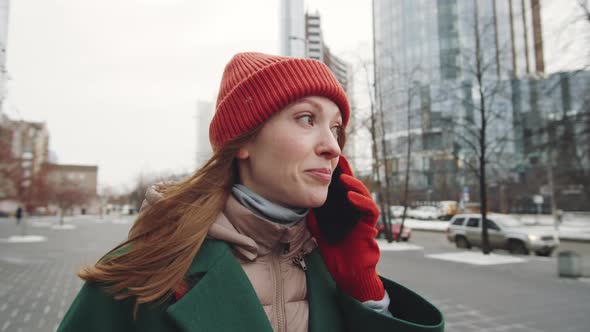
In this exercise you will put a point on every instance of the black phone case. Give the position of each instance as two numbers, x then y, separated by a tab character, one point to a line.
337	217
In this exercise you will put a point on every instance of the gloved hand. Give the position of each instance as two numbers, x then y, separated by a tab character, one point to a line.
344	228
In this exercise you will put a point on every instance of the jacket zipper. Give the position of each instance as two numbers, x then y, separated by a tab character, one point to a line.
279	301
300	261
279	306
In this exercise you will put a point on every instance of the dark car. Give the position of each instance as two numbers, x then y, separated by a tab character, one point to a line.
395	231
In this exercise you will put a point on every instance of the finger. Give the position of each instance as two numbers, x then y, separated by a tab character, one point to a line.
353	184
362	203
344	166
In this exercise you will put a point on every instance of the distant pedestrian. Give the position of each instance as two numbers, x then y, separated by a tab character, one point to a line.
19	215
559	216
273	233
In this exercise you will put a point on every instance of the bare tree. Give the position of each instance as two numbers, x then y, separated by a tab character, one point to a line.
404	96
377	159
583	4
481	134
378	129
136	195
409	97
66	194
408	107
9	167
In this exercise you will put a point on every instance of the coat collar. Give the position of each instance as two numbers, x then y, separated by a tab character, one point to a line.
224	300
253	236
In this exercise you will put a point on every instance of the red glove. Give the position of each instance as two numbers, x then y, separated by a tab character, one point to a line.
351	258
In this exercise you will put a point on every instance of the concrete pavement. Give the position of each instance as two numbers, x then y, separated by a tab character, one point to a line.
38	282
517	296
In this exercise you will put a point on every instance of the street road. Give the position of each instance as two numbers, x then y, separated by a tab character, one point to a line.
525	296
38	282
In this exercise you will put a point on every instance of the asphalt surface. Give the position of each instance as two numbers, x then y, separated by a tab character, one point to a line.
525	296
38	282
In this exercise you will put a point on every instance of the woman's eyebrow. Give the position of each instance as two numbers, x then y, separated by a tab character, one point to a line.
308	101
337	116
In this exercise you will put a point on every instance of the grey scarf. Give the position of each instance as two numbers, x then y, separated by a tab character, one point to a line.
267	209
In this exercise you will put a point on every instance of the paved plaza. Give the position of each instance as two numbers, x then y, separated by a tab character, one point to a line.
37	280
505	293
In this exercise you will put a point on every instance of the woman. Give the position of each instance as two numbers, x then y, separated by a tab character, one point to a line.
273	234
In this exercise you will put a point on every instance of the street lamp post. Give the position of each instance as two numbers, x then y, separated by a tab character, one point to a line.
305	43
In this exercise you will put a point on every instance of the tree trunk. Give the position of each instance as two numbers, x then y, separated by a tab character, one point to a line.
483	188
482	136
408	156
387	215
376	165
484	206
405	203
376	162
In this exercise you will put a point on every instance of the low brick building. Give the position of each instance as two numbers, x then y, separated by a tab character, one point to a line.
82	178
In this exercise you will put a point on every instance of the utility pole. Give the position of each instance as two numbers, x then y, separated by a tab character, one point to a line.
305	42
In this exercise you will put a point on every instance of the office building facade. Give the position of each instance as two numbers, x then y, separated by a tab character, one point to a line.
427	58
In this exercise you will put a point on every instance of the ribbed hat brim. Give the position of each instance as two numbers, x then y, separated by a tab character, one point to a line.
257	97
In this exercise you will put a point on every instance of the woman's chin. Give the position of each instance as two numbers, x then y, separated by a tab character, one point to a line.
309	199
316	200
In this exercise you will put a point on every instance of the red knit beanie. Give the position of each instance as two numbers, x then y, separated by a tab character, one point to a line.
254	86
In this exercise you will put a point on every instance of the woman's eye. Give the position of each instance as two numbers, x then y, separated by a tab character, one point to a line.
307	119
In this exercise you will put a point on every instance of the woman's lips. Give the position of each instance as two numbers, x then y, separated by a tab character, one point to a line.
322	175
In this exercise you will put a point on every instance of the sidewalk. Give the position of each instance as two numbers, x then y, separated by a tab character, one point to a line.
575	227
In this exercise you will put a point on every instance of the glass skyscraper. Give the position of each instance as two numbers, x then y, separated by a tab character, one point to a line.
427	55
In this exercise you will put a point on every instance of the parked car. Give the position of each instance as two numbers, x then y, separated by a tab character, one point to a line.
397	211
504	231
425	213
395	231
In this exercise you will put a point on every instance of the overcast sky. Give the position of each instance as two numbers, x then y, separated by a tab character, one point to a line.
117	81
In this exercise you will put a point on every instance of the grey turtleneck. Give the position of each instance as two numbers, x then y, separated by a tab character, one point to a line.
267	209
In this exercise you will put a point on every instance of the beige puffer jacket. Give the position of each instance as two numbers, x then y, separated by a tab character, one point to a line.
271	256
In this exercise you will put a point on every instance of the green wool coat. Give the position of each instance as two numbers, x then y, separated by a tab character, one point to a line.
224	300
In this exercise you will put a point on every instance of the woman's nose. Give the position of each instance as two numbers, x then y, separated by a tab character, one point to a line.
328	146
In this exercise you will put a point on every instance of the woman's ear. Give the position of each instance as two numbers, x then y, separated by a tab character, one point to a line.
242	153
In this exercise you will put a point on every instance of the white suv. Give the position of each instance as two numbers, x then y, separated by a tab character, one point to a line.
504	232
425	213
